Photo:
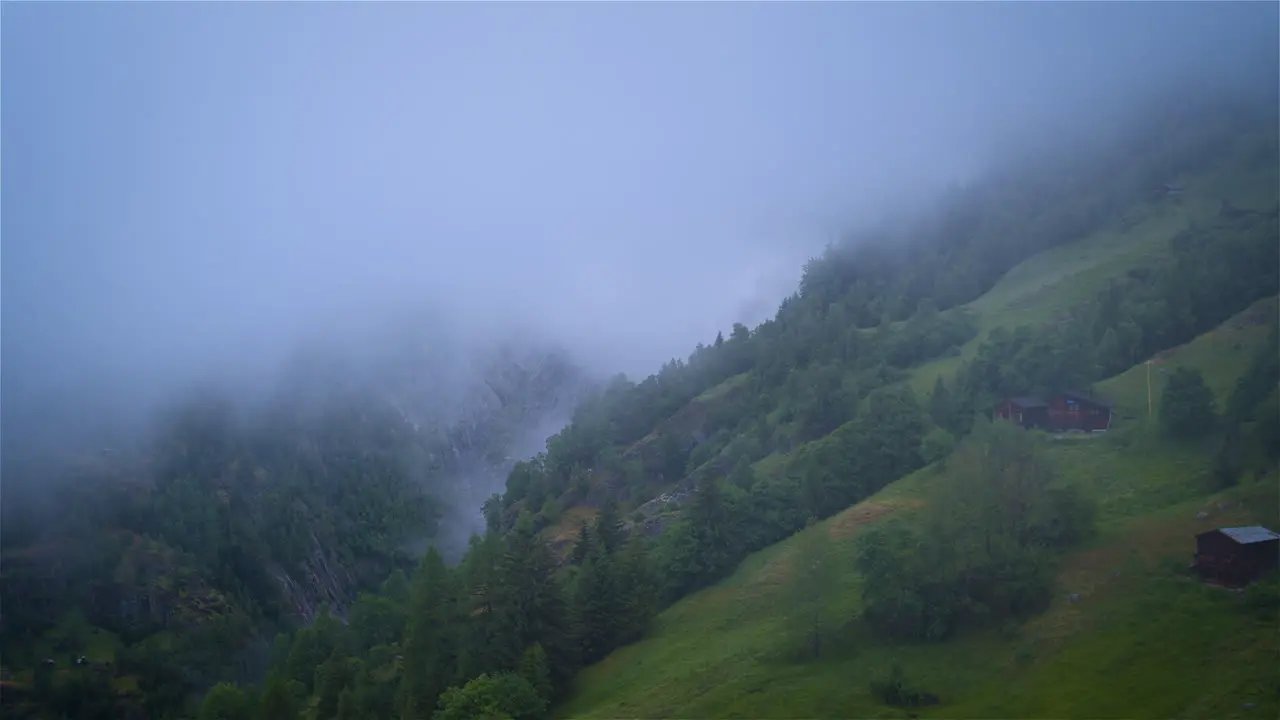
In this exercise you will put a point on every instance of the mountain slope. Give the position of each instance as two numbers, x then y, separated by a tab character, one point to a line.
173	569
729	651
1137	643
870	314
1015	285
1049	285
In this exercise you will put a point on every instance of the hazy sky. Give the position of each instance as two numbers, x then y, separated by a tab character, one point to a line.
187	184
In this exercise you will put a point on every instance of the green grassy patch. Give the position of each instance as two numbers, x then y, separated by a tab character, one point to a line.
723	388
1221	356
1048	285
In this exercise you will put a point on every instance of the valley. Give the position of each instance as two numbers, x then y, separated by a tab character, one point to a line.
815	517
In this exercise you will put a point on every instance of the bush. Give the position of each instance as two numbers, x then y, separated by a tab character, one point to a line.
1262	598
1025	654
504	695
937	445
894	689
1186	405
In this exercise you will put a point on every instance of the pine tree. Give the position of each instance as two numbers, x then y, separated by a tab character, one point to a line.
638	591
812	586
1186	405
609	530
428	648
942	407
533	668
479	597
347	709
596	606
1110	354
709	520
306	654
332	678
582	548
529	605
278	701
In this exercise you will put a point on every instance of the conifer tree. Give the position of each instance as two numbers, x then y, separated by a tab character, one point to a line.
278	700
942	406
637	589
428	648
709	519
529	605
332	678
609	530
533	668
596	606
582	548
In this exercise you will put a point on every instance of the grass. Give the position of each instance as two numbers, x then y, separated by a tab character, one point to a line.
1048	285
1147	641
1221	356
1143	639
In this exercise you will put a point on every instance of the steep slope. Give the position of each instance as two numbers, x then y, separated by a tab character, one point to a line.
870	314
1061	288
1150	277
1049	285
1127	633
809	415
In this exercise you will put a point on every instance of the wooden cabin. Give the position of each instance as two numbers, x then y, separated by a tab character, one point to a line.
1060	413
1236	556
1029	412
1078	411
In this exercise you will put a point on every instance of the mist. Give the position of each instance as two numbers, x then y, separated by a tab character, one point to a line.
195	189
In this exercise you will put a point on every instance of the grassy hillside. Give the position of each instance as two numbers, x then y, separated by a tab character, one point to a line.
655	541
1141	639
1050	284
1221	356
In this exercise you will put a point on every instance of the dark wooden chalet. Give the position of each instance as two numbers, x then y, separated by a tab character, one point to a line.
1061	412
1029	412
1236	556
1078	411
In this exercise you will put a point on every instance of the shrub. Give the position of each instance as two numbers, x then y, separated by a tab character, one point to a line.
1262	598
937	445
1186	405
894	689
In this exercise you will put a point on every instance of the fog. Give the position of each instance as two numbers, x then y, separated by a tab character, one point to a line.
192	188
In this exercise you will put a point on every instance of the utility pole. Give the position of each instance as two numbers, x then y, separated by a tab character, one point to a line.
1148	390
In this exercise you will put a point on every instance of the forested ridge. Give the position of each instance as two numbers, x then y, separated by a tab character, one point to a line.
683	474
168	570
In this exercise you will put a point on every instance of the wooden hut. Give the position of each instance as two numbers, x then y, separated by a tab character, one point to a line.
1236	556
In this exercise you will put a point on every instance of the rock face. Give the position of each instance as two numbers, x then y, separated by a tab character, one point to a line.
324	580
518	398
472	409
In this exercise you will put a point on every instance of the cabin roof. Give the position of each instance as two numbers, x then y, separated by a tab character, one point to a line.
1028	402
1249	534
1086	397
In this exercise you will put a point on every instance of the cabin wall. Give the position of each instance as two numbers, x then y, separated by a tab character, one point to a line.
1026	417
1262	557
1215	543
1005	411
1222	559
1067	413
